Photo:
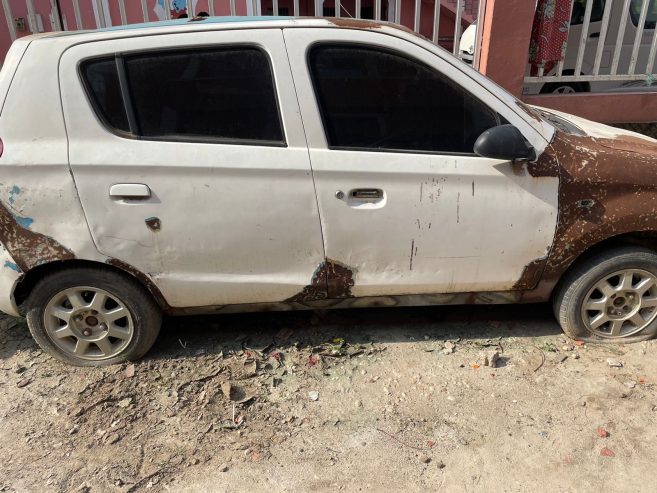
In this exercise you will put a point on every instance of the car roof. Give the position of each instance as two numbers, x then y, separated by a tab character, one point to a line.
218	22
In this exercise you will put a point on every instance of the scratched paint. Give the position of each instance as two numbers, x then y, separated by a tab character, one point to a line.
12	266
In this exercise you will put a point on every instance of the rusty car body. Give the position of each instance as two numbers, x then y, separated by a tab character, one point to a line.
307	213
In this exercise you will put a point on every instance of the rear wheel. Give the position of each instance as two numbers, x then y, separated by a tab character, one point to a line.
92	317
564	88
610	297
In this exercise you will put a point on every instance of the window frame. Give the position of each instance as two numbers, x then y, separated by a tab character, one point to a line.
135	133
358	44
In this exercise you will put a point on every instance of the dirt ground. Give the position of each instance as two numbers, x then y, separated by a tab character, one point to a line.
360	400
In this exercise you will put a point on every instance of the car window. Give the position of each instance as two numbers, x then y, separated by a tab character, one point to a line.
373	99
635	13
579	9
102	83
219	94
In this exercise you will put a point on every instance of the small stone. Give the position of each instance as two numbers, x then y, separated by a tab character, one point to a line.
74	430
223	468
125	402
130	371
567	348
630	384
614	363
313	395
489	358
576	355
440	464
24	382
425	459
113	438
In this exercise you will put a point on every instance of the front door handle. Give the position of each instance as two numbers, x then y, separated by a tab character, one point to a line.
367	193
129	191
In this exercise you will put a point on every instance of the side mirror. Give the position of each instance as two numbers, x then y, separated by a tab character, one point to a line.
504	142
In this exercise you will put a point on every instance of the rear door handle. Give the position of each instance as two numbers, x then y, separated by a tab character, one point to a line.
367	193
129	191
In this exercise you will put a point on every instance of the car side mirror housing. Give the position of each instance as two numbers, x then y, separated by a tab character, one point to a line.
504	142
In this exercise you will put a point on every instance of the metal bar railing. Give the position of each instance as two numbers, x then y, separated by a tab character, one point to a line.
638	36
602	38
436	21
144	10
457	26
377	10
274	7
211	7
416	15
76	13
122	14
296	8
653	52
10	19
620	37
583	37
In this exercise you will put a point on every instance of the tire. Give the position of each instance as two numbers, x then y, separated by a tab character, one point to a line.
564	87
623	273
92	317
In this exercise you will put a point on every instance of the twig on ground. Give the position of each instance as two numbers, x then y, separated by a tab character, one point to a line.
397	439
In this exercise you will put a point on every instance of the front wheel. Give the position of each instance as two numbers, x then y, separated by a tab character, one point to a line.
92	317
610	297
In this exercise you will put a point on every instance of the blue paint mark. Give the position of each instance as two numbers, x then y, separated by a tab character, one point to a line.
12	266
15	190
24	222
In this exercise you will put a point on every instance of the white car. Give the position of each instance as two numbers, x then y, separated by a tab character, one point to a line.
215	165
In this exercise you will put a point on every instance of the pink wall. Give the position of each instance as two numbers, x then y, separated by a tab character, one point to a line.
134	14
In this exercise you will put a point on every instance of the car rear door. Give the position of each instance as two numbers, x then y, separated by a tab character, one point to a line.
205	182
405	204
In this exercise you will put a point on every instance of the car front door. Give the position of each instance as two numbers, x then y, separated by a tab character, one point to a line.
205	182
405	204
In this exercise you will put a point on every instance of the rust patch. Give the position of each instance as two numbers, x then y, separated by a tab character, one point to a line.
528	111
144	279
29	248
153	223
354	23
330	280
607	187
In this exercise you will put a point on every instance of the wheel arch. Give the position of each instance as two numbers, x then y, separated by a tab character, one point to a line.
645	239
29	280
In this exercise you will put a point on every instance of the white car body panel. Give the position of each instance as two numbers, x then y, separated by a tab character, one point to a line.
447	223
239	223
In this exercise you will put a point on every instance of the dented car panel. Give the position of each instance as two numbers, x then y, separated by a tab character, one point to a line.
220	222
444	223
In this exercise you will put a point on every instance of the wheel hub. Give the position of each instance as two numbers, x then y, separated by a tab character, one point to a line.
622	304
89	323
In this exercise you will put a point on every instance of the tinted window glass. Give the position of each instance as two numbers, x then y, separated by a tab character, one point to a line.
651	17
579	11
102	83
225	94
372	99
